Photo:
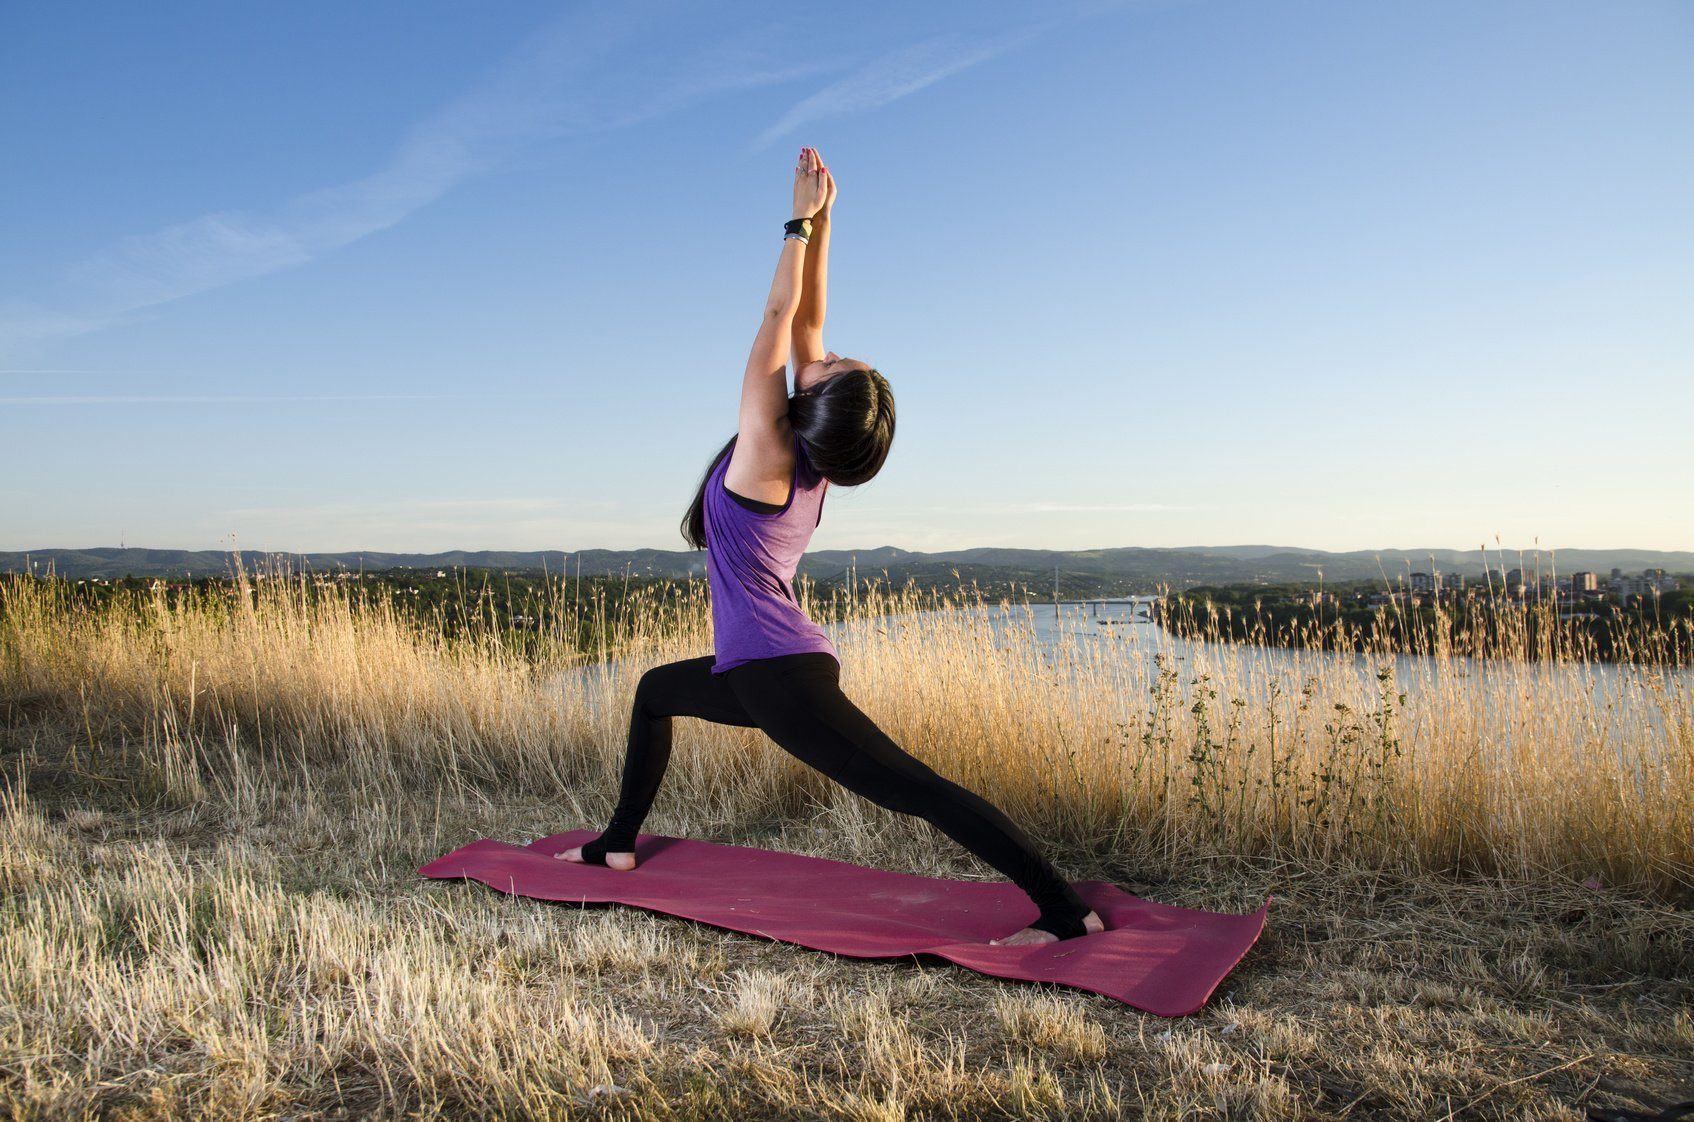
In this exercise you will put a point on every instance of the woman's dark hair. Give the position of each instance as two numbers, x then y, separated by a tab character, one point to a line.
847	426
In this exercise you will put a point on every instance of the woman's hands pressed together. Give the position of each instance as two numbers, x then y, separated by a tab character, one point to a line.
814	187
799	273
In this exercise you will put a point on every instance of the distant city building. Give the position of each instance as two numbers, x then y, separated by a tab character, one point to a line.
1651	582
1584	582
1423	582
1389	599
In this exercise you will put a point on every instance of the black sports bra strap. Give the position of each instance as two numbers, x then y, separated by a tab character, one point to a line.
753	505
759	506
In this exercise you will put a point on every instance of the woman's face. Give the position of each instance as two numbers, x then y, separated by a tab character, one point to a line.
813	374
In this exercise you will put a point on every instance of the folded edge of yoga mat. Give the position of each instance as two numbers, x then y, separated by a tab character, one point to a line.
1157	957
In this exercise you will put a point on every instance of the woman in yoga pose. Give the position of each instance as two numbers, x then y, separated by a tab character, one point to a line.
773	668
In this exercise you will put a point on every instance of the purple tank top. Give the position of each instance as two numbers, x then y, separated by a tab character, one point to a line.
750	563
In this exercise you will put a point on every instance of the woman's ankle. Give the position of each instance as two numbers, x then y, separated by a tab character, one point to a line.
1064	922
594	852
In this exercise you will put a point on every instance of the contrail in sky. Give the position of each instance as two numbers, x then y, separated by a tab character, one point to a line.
893	76
199	399
569	77
539	93
912	67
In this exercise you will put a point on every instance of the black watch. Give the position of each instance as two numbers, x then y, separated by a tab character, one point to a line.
801	226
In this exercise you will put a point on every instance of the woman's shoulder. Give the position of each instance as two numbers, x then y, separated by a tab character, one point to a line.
762	461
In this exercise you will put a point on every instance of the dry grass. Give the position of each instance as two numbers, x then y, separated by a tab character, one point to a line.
214	810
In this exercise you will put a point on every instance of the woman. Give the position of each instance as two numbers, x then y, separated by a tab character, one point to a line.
775	669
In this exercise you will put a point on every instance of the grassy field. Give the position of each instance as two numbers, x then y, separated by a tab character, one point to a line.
213	810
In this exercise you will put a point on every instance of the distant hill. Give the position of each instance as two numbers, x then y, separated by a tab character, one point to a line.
1098	570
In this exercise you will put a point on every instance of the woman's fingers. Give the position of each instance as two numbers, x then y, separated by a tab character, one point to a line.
810	167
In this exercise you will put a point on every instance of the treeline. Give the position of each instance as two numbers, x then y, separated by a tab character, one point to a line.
540	614
525	610
1645	629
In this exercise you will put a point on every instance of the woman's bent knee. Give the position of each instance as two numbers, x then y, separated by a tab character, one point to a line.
648	687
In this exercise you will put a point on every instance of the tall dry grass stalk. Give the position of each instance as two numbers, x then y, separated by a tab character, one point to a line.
1110	746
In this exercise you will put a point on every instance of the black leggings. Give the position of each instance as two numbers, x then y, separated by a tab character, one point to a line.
797	700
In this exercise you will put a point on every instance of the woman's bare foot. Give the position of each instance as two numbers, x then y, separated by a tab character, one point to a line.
1091	923
623	862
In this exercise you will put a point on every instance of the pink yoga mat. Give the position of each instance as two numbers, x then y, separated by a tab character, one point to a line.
1157	957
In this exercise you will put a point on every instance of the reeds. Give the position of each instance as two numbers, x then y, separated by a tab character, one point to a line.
1111	745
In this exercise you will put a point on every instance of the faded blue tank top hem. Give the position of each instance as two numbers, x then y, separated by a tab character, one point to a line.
751	559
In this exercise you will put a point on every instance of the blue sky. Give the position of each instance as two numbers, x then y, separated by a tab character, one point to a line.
420	276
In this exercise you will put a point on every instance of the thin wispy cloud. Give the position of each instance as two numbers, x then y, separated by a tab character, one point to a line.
896	74
584	72
244	399
504	504
1041	508
910	68
1087	508
570	77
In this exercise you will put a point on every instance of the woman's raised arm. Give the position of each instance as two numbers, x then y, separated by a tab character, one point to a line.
764	386
814	290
